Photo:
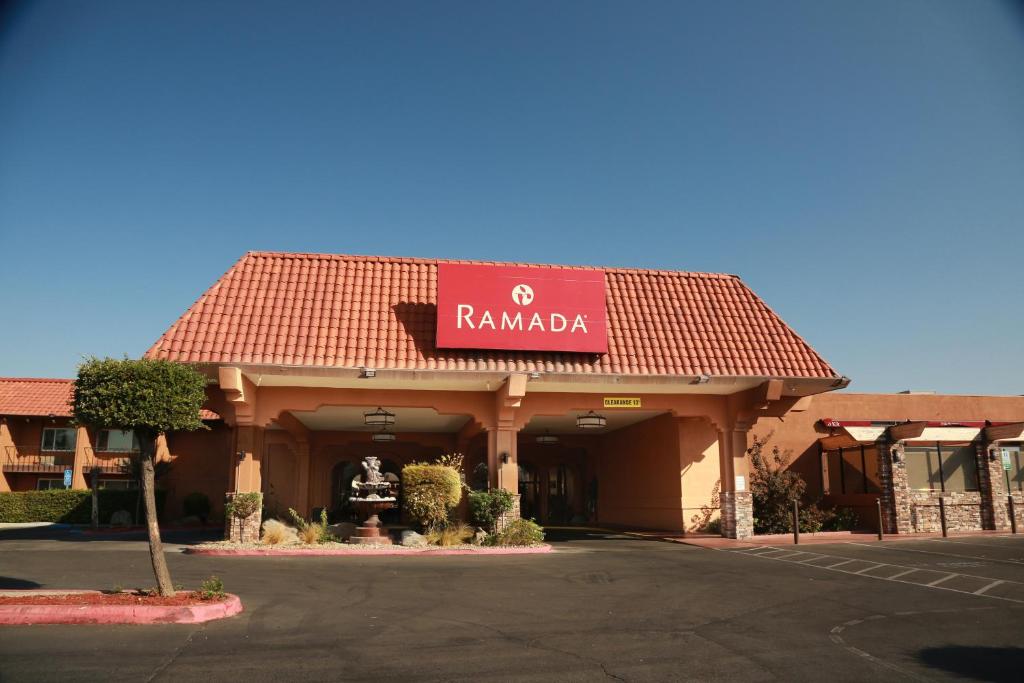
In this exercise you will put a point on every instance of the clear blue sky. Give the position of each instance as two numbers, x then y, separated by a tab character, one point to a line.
859	164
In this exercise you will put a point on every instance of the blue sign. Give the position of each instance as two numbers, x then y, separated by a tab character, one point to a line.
67	478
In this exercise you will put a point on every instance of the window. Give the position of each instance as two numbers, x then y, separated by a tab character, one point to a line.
59	439
853	470
116	441
942	467
47	484
118	484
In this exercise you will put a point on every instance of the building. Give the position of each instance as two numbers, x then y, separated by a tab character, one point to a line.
610	396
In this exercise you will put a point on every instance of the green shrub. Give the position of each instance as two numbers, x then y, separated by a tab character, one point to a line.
430	492
212	589
714	526
196	504
773	488
67	506
840	519
519	532
457	533
486	507
312	532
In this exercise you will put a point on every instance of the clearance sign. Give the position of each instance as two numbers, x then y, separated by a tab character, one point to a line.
520	308
621	402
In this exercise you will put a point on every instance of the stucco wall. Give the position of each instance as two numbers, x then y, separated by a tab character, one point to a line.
639	476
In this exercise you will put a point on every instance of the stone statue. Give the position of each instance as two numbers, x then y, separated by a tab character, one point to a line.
372	466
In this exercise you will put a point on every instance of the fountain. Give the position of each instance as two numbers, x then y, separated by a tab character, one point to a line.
372	494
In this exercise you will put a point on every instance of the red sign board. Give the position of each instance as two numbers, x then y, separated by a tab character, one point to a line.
520	308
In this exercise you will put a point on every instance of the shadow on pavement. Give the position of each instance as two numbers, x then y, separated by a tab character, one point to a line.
976	663
84	535
11	583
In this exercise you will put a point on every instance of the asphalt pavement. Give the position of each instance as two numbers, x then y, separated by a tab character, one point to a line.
602	606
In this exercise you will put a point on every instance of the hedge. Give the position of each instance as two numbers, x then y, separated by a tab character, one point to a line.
430	492
69	506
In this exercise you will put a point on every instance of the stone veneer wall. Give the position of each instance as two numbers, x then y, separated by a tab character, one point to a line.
737	514
507	518
245	530
963	511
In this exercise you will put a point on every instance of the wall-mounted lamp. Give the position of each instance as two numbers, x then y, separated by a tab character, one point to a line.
368	373
701	379
534	375
896	457
504	458
241	456
842	382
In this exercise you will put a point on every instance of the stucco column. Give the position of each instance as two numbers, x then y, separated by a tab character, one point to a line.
82	451
302	456
248	455
737	502
7	453
501	446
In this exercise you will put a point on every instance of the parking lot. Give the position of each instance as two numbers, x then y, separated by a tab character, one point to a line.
603	606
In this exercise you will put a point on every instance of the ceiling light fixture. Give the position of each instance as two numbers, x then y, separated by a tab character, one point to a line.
379	418
591	421
547	439
383	436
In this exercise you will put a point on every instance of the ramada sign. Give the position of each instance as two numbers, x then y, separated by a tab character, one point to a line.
520	308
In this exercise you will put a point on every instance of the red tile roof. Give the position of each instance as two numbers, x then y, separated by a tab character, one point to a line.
366	311
31	396
36	396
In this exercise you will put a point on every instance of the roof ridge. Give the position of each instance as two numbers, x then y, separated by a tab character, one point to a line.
435	260
36	379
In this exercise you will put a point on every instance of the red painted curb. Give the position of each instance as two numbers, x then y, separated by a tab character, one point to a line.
14	615
313	552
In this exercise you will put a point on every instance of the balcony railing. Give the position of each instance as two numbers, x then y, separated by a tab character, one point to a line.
108	462
30	458
33	459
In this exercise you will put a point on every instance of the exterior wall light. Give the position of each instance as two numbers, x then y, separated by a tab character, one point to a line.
534	375
504	458
379	418
896	457
369	373
591	421
547	439
702	379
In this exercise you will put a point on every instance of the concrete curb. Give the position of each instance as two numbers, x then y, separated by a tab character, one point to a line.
385	551
19	615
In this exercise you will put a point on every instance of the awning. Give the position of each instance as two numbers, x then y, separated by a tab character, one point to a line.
850	433
1010	431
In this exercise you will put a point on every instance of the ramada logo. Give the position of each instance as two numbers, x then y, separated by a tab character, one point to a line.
523	296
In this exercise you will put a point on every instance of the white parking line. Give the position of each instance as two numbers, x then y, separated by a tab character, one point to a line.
933	552
982	591
936	582
895	578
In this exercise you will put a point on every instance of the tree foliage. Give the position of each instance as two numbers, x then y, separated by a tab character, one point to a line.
148	396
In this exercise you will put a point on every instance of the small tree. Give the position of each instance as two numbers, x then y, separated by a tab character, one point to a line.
773	488
149	397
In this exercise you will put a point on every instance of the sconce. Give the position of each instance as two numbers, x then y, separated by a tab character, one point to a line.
504	458
241	456
896	457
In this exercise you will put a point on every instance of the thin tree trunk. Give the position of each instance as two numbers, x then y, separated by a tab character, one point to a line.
94	485
156	547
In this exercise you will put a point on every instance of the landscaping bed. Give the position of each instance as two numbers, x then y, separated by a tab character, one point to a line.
225	548
122	607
